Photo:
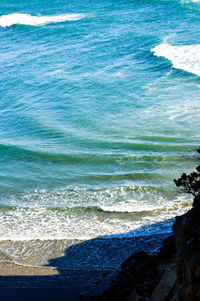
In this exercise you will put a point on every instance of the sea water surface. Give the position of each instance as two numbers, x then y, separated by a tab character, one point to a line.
99	112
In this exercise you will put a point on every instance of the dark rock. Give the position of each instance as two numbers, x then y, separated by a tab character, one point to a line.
172	275
189	271
165	286
134	296
168	249
134	279
186	227
196	202
187	232
174	297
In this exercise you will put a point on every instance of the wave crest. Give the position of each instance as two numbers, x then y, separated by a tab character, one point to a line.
186	57
26	19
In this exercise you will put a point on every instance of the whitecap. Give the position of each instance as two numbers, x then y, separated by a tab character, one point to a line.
186	57
26	19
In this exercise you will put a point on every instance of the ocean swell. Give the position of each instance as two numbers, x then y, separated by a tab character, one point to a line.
26	19
186	57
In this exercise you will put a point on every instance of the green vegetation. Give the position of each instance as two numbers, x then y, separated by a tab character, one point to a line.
190	183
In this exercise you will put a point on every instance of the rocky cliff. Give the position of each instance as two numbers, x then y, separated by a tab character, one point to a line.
187	234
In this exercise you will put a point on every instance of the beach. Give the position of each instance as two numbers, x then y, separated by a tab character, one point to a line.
71	268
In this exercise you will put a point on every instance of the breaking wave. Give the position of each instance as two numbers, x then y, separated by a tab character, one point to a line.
86	222
26	19
186	57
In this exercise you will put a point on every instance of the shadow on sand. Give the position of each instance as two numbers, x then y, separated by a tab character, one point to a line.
85	267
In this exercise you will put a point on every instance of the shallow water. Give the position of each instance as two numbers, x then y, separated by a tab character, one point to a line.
99	112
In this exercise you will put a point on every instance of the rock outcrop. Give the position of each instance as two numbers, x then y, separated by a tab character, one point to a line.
187	232
144	277
172	275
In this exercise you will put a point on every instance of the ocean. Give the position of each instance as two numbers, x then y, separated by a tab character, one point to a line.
99	112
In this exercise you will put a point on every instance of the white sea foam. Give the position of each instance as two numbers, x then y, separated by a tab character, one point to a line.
42	223
183	2
81	213
26	19
186	57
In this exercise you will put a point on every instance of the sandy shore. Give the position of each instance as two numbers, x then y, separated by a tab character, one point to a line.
47	270
63	269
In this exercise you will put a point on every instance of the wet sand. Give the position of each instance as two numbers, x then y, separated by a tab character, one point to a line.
46	270
56	270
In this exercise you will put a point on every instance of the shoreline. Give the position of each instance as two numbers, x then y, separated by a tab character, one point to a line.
101	269
99	261
60	255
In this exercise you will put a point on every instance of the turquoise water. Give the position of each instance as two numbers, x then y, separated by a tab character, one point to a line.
99	112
